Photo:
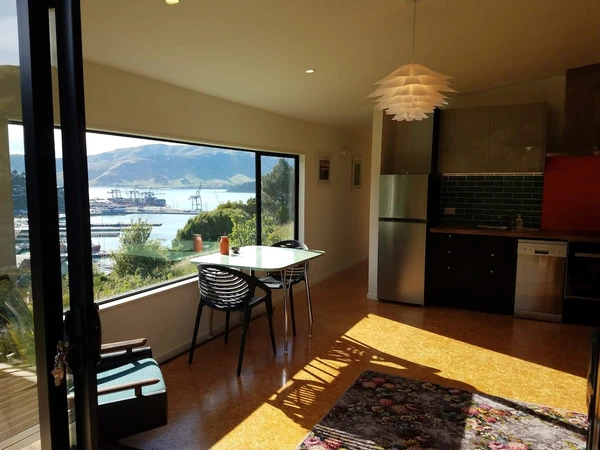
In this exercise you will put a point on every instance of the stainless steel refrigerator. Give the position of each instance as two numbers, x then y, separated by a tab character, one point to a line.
402	234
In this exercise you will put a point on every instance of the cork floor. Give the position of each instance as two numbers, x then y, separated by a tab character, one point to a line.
278	399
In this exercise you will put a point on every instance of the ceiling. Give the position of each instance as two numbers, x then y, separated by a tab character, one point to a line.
255	52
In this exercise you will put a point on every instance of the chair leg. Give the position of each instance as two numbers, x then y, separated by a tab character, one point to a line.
269	305
227	327
210	324
195	335
292	310
245	322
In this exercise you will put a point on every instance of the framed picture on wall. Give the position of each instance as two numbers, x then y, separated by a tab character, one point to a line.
323	167
357	173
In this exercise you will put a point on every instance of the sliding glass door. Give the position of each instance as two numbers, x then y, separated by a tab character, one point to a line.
19	412
39	44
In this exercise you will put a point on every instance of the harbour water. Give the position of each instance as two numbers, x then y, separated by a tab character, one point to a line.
175	198
180	198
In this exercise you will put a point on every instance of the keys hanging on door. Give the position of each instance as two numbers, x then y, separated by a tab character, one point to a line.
60	363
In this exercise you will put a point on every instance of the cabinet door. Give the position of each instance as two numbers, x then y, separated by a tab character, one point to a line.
447	271
413	146
388	146
440	271
518	138
582	110
471	272
494	273
464	142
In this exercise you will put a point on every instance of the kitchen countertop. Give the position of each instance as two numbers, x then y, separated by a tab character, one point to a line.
573	236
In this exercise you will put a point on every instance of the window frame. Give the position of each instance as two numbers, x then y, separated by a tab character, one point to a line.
258	154
258	177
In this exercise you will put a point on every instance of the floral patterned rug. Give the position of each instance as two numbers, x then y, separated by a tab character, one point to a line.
382	411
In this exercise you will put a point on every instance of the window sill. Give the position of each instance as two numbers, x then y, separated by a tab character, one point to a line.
109	304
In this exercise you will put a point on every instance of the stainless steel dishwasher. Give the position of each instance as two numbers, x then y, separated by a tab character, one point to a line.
540	288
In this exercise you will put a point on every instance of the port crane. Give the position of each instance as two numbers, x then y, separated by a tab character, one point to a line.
197	199
115	194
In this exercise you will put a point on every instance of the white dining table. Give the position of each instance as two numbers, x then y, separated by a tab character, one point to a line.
268	259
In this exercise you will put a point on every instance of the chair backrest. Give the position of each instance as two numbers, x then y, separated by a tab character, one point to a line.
291	244
224	287
295	273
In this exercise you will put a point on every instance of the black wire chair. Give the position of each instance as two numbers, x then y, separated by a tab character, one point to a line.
295	275
226	289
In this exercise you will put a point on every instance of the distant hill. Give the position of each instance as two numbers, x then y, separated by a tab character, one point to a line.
166	166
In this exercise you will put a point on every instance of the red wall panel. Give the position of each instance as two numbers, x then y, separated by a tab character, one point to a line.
572	194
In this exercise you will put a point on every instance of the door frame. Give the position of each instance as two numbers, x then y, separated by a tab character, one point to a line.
40	163
42	203
77	214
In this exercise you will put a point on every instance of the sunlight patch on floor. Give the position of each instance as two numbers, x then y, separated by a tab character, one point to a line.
489	371
277	431
379	343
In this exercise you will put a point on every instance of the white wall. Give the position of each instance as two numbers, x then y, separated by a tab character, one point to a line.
333	217
547	90
376	146
336	219
10	108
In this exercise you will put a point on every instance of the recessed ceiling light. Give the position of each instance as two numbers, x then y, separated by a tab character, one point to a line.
171	2
310	71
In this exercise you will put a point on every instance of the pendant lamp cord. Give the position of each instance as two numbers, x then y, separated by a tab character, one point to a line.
412	58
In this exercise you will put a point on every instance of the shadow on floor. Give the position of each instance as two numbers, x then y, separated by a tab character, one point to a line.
315	382
209	406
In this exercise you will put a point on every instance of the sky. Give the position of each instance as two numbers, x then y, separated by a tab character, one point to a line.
9	44
96	142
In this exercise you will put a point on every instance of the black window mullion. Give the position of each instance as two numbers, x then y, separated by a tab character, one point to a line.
258	167
296	199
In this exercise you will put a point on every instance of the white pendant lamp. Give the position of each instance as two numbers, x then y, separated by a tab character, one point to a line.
412	91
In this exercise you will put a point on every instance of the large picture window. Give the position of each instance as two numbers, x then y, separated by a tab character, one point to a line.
155	204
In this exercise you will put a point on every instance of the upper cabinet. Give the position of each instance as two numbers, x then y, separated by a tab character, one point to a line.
582	110
464	140
518	138
407	146
498	139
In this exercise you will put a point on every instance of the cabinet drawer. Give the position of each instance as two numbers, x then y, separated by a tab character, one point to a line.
472	272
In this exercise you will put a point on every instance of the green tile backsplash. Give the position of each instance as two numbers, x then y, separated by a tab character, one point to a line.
492	199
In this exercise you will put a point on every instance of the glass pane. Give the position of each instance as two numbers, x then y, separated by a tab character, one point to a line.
18	394
155	204
278	197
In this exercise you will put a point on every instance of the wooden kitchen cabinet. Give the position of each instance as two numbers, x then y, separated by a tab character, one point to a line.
582	110
464	140
471	272
518	138
498	139
407	147
414	141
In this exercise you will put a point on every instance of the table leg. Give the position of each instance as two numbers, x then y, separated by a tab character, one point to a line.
210	321
308	302
285	311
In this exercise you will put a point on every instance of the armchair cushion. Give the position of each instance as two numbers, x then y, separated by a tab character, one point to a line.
143	369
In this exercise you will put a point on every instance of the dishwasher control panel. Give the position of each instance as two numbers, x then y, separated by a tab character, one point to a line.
543	248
